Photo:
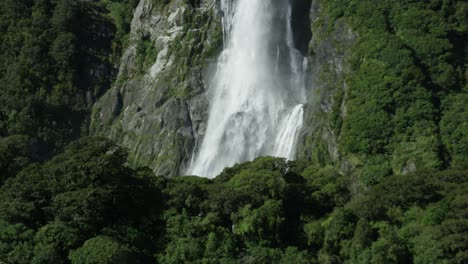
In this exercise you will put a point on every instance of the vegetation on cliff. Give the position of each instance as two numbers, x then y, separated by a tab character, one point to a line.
55	62
405	129
406	104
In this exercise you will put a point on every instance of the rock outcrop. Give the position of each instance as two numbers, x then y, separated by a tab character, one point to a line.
328	51
157	108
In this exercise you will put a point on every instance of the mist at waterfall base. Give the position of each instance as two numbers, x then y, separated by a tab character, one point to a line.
257	94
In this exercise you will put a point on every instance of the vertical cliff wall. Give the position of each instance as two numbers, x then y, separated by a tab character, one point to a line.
157	106
328	51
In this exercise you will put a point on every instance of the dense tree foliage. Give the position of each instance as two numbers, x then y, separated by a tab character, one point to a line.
86	206
38	51
53	66
406	105
85	200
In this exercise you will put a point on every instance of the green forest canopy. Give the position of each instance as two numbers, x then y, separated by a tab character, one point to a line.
86	206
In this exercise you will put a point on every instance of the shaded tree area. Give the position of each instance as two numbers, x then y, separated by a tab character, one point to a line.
83	206
86	206
55	61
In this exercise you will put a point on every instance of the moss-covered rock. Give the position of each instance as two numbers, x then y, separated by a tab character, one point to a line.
329	52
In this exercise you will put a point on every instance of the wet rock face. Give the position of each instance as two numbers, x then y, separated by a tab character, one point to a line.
157	107
328	52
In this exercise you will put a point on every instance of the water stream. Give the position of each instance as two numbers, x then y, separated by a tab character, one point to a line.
257	94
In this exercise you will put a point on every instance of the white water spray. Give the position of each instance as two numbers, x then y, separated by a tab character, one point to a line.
257	93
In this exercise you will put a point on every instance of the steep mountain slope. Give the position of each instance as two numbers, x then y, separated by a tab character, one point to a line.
156	108
381	174
407	76
384	93
55	63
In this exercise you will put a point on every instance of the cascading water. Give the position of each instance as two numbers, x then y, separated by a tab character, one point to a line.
257	93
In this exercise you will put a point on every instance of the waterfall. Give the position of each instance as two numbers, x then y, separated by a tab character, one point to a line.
257	94
289	128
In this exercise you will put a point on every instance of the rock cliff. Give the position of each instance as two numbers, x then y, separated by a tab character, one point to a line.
328	51
157	108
